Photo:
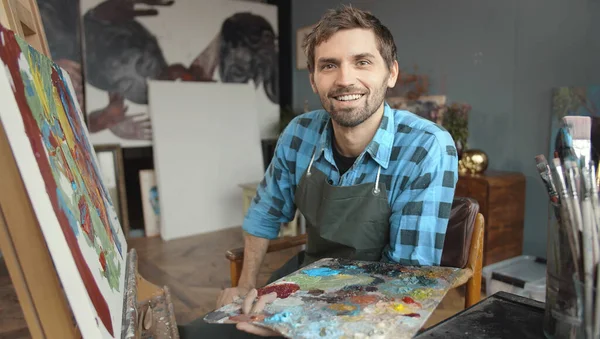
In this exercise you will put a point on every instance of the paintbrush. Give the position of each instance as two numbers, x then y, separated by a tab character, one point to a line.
590	247
546	175
580	132
596	208
566	214
595	205
564	143
596	249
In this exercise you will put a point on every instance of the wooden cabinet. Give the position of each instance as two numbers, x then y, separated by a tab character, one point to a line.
501	198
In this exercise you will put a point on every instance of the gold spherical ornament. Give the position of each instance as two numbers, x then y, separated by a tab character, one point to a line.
473	161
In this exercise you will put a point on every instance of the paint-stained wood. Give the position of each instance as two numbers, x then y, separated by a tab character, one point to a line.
23	17
501	198
469	276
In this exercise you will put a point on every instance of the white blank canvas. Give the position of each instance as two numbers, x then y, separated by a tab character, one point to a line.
206	143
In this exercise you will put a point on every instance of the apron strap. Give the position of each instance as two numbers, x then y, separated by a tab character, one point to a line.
376	189
310	164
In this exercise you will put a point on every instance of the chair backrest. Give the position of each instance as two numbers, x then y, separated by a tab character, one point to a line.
457	243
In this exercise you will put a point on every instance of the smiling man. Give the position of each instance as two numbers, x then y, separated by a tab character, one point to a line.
373	183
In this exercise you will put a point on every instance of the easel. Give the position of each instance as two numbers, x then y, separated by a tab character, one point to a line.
23	246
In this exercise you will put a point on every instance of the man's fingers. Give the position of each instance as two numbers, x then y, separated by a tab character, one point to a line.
249	300
144	123
219	299
136	115
263	301
145	12
261	331
223	298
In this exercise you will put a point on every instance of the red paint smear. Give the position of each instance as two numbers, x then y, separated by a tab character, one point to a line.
102	260
412	315
410	300
364	299
243	318
9	54
86	220
283	290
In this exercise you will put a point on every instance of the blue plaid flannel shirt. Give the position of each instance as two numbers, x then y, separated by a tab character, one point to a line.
419	166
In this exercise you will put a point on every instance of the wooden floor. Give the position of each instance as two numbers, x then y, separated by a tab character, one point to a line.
195	270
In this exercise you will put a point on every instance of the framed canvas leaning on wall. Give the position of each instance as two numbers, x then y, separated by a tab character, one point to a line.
110	159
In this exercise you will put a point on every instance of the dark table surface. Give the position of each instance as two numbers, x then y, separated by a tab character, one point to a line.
501	315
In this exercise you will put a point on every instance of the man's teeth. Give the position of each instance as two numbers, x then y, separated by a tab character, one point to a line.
349	97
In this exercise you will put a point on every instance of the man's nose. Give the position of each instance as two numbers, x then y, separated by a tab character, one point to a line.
345	76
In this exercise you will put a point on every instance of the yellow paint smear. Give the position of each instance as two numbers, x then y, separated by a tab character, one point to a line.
423	293
342	307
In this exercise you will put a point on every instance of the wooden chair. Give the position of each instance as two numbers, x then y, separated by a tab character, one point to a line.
465	228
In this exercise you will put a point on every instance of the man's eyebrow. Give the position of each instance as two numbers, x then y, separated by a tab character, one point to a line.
364	55
328	61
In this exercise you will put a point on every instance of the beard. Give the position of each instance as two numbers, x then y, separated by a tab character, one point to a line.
353	116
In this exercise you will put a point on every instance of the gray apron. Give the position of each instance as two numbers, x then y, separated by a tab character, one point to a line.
349	222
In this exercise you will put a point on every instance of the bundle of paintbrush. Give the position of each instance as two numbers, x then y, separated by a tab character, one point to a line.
571	183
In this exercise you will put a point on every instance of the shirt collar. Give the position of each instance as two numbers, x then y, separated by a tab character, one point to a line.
380	147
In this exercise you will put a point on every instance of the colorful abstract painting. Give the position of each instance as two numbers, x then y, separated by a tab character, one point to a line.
50	142
583	101
335	298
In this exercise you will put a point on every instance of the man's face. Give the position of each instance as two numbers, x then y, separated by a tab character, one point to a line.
351	77
236	64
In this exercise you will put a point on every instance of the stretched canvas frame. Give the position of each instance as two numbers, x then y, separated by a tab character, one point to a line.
150	202
51	149
116	172
301	57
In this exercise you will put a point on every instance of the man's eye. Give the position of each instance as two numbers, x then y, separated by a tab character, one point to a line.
327	66
363	62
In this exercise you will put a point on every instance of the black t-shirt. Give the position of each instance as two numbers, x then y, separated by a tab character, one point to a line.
343	163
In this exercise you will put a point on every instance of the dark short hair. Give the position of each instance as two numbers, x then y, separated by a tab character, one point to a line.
348	17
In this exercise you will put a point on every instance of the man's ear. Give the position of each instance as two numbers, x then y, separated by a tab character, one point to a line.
311	78
393	74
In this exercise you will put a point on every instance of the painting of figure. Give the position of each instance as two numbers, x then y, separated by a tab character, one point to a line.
126	45
128	42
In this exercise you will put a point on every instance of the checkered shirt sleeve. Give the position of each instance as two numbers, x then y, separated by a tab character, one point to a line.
421	206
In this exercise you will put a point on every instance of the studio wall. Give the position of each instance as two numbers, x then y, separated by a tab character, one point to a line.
502	57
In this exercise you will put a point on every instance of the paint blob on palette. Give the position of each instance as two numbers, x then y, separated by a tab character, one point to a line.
337	298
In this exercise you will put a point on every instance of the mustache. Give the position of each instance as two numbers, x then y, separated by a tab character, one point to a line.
347	90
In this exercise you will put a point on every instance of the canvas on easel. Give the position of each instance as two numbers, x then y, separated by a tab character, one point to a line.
50	144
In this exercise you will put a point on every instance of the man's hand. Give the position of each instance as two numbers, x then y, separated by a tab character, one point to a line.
250	307
228	295
133	128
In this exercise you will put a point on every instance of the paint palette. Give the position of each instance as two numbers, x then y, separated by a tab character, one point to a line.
338	298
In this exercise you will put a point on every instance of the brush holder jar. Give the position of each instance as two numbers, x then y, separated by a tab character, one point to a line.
563	316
